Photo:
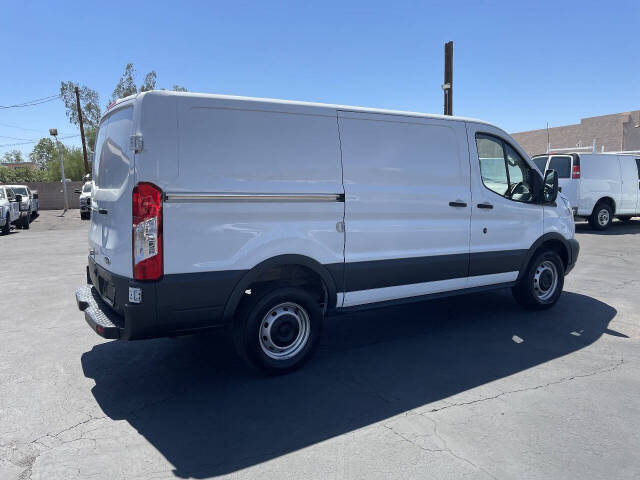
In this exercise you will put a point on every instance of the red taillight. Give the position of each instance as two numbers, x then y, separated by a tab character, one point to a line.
575	171
146	234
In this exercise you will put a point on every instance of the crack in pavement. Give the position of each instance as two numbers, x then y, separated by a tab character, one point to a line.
446	449
537	387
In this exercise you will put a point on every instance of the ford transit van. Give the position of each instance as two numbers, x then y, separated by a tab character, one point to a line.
264	216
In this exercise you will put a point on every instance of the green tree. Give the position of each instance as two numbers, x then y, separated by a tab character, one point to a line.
127	84
149	82
44	152
178	88
89	104
21	175
14	156
73	165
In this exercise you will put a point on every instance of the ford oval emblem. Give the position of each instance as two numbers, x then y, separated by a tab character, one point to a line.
107	260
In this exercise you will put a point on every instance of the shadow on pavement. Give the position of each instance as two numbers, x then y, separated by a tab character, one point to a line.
616	228
194	401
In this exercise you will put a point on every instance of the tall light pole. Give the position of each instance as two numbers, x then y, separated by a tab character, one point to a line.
54	133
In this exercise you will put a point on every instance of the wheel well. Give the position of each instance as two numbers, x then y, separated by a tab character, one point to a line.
608	200
282	275
558	247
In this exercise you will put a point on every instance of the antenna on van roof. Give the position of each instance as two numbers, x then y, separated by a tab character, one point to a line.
548	140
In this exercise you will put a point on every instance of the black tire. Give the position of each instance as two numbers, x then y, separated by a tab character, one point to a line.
25	221
601	217
536	290
298	319
7	226
84	215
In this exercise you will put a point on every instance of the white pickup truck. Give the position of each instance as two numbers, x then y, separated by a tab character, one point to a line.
9	209
28	206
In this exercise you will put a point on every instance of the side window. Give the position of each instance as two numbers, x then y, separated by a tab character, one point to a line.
1	193
562	165
503	170
492	167
10	195
520	181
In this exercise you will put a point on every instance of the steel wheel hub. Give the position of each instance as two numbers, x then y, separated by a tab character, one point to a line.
545	280
603	217
284	331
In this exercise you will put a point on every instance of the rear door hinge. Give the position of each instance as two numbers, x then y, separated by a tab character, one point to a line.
136	143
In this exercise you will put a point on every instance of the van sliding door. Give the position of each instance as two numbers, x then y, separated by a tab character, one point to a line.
407	207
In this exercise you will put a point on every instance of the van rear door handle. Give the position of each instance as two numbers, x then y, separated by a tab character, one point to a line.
457	204
103	211
485	205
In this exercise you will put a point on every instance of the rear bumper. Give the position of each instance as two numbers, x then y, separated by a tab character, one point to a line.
175	305
574	251
102	320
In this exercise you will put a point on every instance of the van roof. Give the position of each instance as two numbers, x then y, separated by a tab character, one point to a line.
297	103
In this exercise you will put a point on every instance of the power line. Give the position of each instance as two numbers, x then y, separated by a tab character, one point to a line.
16	138
35	141
31	103
22	128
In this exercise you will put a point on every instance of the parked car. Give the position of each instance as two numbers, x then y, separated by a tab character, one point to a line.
85	200
264	216
599	186
28	206
9	209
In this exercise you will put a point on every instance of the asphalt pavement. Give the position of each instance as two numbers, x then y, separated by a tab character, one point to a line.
463	387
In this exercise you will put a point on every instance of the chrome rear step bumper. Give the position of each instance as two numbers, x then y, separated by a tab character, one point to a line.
100	317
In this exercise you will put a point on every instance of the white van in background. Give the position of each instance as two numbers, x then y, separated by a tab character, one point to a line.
599	186
264	216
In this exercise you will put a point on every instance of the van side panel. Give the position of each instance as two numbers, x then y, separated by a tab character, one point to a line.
251	148
600	177
403	238
157	123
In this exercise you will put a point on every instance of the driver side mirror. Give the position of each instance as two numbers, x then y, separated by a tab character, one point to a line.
550	187
18	198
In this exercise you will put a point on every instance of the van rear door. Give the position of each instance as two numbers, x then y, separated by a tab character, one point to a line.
110	232
563	165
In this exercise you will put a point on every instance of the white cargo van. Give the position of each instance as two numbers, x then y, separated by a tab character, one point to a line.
266	215
599	186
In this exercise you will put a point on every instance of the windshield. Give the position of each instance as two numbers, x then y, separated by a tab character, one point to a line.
86	188
20	191
541	162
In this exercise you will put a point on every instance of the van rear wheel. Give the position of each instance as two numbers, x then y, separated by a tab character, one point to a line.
277	330
541	285
601	217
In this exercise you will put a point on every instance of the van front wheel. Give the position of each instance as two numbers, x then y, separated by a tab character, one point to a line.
276	331
541	285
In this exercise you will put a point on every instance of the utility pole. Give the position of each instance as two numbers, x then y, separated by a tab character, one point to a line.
84	145
54	133
448	78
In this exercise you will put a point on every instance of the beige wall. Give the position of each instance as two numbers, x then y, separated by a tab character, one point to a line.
615	132
50	196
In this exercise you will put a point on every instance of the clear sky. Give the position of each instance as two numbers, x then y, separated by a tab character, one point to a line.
516	64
